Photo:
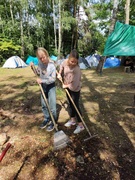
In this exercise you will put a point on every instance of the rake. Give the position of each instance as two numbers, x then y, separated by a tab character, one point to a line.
60	140
90	135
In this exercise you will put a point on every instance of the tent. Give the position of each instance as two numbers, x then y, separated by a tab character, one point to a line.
121	42
97	56
59	62
111	62
54	58
32	59
14	62
83	63
92	61
35	59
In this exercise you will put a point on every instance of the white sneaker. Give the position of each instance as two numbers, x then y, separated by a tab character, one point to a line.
70	123
78	129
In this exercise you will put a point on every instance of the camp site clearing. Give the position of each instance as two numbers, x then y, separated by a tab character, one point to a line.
108	109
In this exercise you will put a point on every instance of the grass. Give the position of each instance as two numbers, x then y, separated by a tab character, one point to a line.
107	108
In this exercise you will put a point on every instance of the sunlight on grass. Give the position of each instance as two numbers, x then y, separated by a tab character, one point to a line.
128	132
49	171
60	93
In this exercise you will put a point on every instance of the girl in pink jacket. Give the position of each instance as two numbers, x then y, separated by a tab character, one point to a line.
72	82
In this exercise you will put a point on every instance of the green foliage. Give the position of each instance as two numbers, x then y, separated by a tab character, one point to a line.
121	12
83	49
102	11
94	41
67	21
8	48
37	28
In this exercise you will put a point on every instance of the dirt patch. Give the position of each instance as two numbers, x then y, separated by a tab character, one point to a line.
107	108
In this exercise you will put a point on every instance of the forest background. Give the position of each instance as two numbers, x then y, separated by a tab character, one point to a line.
59	25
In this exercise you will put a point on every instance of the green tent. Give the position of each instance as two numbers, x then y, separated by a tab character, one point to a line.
121	42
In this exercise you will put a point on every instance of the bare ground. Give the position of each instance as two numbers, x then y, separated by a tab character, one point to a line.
108	110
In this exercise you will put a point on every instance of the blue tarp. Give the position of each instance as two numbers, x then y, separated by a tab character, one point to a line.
54	58
32	59
112	62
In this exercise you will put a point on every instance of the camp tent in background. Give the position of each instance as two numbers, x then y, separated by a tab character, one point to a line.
83	63
121	41
59	62
111	62
14	62
32	59
92	61
54	58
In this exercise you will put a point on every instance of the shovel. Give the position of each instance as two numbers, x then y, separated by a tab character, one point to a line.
61	140
90	135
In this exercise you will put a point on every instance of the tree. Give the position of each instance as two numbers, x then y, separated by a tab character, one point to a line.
114	15
75	26
57	26
60	30
8	48
127	11
11	12
54	21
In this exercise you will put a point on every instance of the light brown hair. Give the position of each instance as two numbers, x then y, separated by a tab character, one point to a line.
73	54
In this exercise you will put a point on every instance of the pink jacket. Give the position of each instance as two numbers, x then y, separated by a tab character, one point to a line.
72	76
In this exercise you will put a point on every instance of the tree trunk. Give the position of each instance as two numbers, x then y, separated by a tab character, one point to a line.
59	46
75	28
114	15
127	11
2	27
11	12
22	39
55	35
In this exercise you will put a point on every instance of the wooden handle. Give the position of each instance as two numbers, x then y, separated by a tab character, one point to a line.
46	102
75	108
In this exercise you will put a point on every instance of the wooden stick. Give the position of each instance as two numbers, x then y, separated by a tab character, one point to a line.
76	109
43	94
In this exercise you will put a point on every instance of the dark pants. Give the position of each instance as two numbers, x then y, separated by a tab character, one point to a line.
75	97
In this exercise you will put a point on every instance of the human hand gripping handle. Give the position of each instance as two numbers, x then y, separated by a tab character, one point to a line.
65	86
33	68
60	78
39	81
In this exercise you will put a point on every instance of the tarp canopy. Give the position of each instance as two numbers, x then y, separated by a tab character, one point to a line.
121	42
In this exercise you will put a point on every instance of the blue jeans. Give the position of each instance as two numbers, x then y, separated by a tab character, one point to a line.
50	94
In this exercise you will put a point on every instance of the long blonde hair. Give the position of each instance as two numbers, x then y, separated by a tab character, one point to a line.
44	50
